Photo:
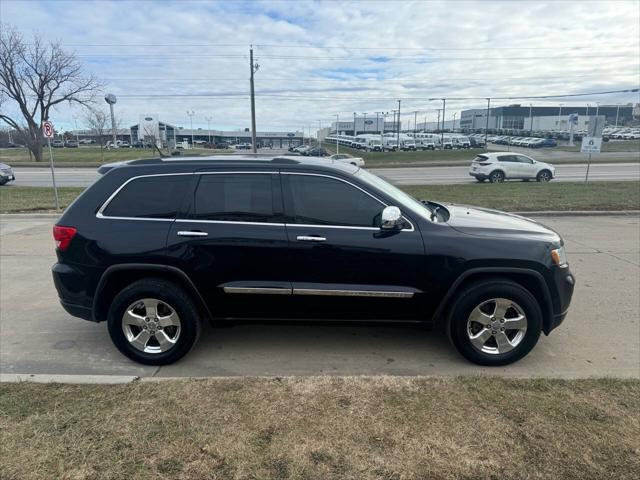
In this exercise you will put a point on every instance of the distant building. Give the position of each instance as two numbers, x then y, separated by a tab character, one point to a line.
525	118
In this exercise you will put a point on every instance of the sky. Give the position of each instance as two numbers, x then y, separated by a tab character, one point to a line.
319	59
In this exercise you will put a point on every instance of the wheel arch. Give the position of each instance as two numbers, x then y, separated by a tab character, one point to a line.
530	279
497	169
117	277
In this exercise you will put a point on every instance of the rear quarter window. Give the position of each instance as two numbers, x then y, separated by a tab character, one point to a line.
149	197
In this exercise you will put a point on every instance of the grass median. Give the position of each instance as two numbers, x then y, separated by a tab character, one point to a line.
508	196
323	427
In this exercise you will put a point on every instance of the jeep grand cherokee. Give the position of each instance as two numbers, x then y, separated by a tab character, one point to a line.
157	247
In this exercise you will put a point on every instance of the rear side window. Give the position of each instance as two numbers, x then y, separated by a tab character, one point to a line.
149	197
508	158
242	197
319	200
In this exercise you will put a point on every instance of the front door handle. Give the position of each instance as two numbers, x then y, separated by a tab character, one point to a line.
192	233
310	238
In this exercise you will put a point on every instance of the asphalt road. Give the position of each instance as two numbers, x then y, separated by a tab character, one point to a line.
600	337
82	177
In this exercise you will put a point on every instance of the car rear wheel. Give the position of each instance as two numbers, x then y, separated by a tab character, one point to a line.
496	177
154	322
495	323
544	176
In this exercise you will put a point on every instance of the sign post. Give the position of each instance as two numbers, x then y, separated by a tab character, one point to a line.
592	143
47	129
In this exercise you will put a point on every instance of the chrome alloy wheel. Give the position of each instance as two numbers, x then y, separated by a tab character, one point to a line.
496	326
151	325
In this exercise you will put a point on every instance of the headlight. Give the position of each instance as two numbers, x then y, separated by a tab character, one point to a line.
559	256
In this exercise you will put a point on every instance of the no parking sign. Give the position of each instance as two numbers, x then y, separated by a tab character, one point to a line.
47	129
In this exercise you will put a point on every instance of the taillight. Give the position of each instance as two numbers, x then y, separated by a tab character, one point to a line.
63	236
484	164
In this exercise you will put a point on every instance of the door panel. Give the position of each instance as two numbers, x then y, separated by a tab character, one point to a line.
343	271
233	243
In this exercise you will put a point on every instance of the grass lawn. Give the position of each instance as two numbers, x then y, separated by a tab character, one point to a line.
323	428
510	196
29	199
534	196
90	155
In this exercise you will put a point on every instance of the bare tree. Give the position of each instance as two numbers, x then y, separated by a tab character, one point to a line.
36	77
98	122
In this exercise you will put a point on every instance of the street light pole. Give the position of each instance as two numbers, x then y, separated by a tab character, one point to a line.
208	119
191	113
364	123
559	115
486	127
617	112
444	106
415	122
530	120
337	133
354	125
399	127
454	121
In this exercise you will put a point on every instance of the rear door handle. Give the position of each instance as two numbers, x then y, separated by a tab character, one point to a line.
192	233
310	238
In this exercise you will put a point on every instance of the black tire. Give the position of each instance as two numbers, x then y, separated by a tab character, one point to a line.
544	176
174	296
496	176
3	181
480	292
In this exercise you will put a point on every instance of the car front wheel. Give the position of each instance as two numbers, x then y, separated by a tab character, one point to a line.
153	322
544	176
495	323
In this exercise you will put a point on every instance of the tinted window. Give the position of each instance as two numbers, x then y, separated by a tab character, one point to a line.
326	201
149	197
243	197
523	159
507	158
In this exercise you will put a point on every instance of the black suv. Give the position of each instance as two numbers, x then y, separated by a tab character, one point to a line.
156	247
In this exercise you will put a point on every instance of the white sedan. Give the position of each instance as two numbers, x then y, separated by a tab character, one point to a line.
344	157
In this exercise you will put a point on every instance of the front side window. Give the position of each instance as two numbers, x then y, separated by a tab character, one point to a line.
317	200
149	197
523	159
235	197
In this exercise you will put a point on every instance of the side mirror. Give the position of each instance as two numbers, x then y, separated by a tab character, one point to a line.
391	218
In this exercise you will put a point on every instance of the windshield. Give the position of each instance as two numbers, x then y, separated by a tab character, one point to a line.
404	199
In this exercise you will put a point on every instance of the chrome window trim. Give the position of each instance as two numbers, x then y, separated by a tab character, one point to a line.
355	186
113	195
100	215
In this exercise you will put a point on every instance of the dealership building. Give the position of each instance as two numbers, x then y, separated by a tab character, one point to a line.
526	117
363	125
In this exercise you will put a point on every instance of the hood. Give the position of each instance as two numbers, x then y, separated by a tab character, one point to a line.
492	223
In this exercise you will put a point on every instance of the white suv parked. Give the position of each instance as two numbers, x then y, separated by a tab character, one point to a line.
500	166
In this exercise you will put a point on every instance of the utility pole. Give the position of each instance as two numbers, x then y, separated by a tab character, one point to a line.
425	123
208	119
415	122
617	112
191	113
354	125
399	127
319	133
530	120
454	121
444	105
253	68
486	128
364	124
438	123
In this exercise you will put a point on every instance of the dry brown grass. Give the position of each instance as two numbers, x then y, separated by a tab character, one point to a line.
323	428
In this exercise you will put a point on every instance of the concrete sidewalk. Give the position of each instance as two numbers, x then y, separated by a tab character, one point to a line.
601	335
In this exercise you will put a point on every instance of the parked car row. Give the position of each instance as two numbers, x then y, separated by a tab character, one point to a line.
622	133
531	142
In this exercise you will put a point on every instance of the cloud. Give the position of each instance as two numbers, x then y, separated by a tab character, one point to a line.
318	59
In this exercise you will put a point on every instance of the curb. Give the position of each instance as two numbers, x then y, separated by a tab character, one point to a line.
69	379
